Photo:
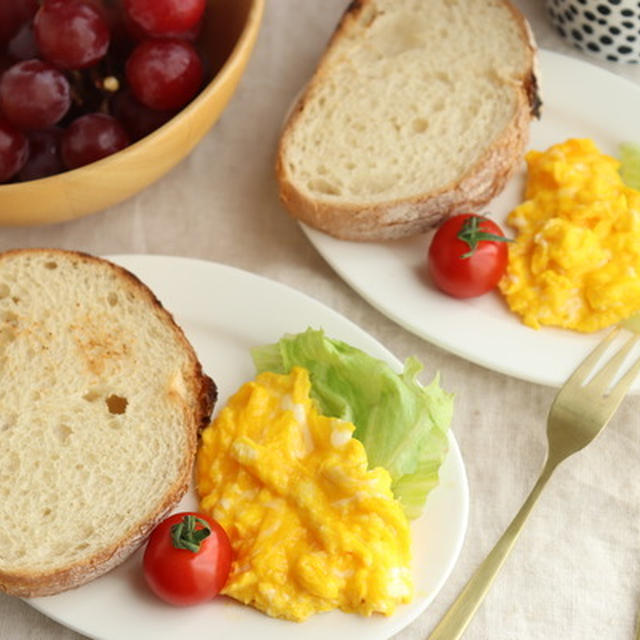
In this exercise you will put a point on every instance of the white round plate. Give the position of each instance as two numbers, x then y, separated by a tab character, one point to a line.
579	100
224	312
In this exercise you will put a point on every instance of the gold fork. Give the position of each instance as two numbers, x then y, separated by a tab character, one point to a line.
581	409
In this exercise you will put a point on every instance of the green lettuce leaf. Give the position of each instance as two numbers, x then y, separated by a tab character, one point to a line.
402	425
630	167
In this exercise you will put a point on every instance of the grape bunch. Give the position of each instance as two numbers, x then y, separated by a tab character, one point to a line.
82	79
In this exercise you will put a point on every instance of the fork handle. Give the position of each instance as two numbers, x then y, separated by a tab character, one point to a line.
460	613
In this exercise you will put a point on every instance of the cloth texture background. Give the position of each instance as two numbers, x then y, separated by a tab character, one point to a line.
574	574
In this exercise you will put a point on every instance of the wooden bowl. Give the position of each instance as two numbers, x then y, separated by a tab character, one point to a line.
229	35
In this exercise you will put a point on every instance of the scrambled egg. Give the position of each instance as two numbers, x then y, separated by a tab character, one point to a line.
576	259
311	528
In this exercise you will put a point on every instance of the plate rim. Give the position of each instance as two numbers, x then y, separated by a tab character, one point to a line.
454	456
551	377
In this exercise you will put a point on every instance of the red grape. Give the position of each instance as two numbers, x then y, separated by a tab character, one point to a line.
136	118
23	45
44	155
90	138
34	95
122	42
72	34
136	34
14	150
161	18
13	14
82	79
5	62
164	74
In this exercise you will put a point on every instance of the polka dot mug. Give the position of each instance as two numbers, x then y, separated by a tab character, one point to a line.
608	29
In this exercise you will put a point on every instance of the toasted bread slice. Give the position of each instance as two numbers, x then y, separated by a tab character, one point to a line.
417	110
101	401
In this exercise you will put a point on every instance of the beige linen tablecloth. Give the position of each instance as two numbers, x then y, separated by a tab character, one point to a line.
574	574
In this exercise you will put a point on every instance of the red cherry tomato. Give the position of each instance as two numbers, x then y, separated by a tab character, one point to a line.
185	565
467	256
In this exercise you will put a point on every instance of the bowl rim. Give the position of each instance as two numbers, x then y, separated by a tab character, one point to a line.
243	44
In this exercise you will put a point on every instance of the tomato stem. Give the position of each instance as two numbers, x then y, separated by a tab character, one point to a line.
184	534
472	234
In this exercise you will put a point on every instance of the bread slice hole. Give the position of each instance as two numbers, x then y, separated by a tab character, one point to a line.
10	318
63	433
51	265
116	404
112	299
7	335
420	125
8	422
91	396
320	185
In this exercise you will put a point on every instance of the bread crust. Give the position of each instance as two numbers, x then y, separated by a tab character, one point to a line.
404	217
203	395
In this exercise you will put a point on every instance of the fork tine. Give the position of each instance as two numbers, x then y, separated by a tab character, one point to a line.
625	382
604	377
592	359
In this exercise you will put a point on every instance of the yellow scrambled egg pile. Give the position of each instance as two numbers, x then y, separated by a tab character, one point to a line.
576	259
311	528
